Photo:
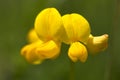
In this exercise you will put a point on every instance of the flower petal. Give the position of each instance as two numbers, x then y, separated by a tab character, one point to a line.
77	51
77	28
32	36
48	50
48	23
28	52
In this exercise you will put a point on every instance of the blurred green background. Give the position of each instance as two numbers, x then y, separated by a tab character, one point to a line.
17	18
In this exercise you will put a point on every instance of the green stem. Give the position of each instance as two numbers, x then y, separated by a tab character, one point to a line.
72	71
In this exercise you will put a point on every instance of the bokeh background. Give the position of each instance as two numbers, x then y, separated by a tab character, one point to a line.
17	18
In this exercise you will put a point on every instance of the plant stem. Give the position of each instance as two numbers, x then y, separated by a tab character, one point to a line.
72	71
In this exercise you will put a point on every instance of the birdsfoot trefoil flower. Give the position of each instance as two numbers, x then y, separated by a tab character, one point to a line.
47	46
77	33
50	30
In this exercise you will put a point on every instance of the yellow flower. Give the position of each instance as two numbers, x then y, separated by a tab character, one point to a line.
77	33
50	29
97	43
45	44
78	36
48	23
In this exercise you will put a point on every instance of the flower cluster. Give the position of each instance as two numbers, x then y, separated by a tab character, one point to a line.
51	29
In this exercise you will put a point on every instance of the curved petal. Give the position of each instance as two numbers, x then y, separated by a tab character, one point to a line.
77	51
77	28
48	50
28	52
48	23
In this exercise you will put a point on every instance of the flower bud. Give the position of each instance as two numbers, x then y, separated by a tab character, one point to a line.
97	43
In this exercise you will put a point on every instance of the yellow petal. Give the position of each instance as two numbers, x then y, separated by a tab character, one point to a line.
77	28
97	43
48	23
28	52
48	50
32	36
77	51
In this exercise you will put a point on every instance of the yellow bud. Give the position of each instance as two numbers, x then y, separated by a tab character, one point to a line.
77	28
97	43
32	36
28	52
48	50
77	51
48	23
